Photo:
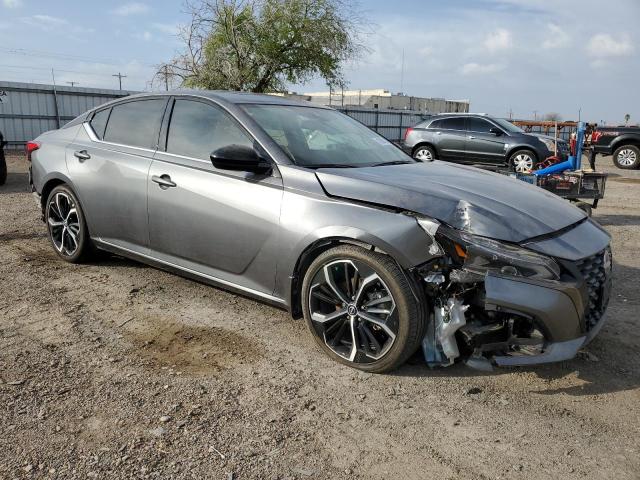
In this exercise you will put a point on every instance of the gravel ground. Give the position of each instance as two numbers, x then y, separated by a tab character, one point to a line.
116	370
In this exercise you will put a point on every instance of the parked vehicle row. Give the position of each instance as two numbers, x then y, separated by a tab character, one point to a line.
480	139
303	207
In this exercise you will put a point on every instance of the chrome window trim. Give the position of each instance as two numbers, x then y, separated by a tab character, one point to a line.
196	273
94	138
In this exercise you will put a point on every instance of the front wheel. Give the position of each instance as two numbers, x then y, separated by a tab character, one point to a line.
627	157
360	309
522	161
66	225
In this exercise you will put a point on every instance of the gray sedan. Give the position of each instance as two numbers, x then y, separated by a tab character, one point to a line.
304	208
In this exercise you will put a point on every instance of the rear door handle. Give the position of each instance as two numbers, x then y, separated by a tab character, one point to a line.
81	155
164	181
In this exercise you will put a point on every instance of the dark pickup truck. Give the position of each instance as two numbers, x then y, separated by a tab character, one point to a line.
621	142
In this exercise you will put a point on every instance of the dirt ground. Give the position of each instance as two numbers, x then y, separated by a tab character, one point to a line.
117	370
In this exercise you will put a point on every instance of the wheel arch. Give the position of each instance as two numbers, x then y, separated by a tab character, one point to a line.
517	148
625	141
49	184
424	144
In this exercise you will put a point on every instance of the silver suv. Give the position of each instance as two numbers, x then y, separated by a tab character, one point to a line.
303	207
480	139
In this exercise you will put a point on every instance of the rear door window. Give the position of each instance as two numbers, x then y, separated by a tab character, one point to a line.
136	123
455	123
99	122
197	129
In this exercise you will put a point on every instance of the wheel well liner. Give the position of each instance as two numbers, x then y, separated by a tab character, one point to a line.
47	188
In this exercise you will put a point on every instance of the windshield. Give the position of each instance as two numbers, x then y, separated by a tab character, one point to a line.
317	137
508	126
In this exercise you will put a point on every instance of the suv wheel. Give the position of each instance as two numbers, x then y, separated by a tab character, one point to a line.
627	157
360	309
66	225
523	161
425	154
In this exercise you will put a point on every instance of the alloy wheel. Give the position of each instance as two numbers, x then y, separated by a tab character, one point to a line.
424	155
353	311
64	224
523	163
627	157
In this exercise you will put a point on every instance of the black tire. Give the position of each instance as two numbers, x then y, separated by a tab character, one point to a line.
406	320
61	223
517	157
627	157
424	153
3	168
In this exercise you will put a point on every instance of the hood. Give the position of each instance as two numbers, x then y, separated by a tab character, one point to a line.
469	199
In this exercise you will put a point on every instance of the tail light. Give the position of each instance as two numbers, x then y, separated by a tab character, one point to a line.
409	130
32	147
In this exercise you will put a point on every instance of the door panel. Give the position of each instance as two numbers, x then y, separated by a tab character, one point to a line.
450	138
483	146
112	187
221	225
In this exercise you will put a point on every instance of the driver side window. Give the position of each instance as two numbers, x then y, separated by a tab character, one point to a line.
197	129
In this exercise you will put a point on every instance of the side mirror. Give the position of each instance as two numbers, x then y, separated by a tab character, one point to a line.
240	158
496	131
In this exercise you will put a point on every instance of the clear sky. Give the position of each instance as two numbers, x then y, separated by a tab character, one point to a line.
523	56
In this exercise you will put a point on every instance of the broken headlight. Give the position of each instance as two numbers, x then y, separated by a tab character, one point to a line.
481	255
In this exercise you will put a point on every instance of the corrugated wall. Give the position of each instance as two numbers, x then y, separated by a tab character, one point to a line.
28	109
391	124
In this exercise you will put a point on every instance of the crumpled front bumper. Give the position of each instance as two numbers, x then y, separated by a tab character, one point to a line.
559	308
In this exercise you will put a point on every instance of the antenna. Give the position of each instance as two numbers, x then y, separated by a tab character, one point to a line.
402	74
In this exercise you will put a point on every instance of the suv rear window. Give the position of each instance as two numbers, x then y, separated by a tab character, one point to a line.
136	123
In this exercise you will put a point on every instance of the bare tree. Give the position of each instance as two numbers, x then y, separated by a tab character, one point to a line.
263	45
553	117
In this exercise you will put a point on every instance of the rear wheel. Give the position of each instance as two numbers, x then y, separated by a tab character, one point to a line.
425	154
523	161
66	225
627	157
360	309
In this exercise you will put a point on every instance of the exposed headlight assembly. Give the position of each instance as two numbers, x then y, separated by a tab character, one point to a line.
481	255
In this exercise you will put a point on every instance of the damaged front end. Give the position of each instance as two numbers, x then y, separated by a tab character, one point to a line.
496	303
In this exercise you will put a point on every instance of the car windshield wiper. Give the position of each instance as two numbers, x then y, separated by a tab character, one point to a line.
395	162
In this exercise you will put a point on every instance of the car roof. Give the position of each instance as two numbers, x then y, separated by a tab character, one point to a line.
232	97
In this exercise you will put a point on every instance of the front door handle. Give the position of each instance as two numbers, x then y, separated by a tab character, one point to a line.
164	181
82	155
471	137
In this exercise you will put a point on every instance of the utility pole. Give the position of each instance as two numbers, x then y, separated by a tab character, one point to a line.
120	77
73	83
535	115
579	114
402	74
510	113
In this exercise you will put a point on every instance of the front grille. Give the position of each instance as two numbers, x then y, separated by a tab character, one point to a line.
596	271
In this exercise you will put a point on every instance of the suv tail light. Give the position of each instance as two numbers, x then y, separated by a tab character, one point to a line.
409	130
32	147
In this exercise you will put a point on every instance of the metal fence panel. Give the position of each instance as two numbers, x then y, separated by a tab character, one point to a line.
28	109
391	124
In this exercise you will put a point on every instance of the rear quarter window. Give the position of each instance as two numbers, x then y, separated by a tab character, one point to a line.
99	122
